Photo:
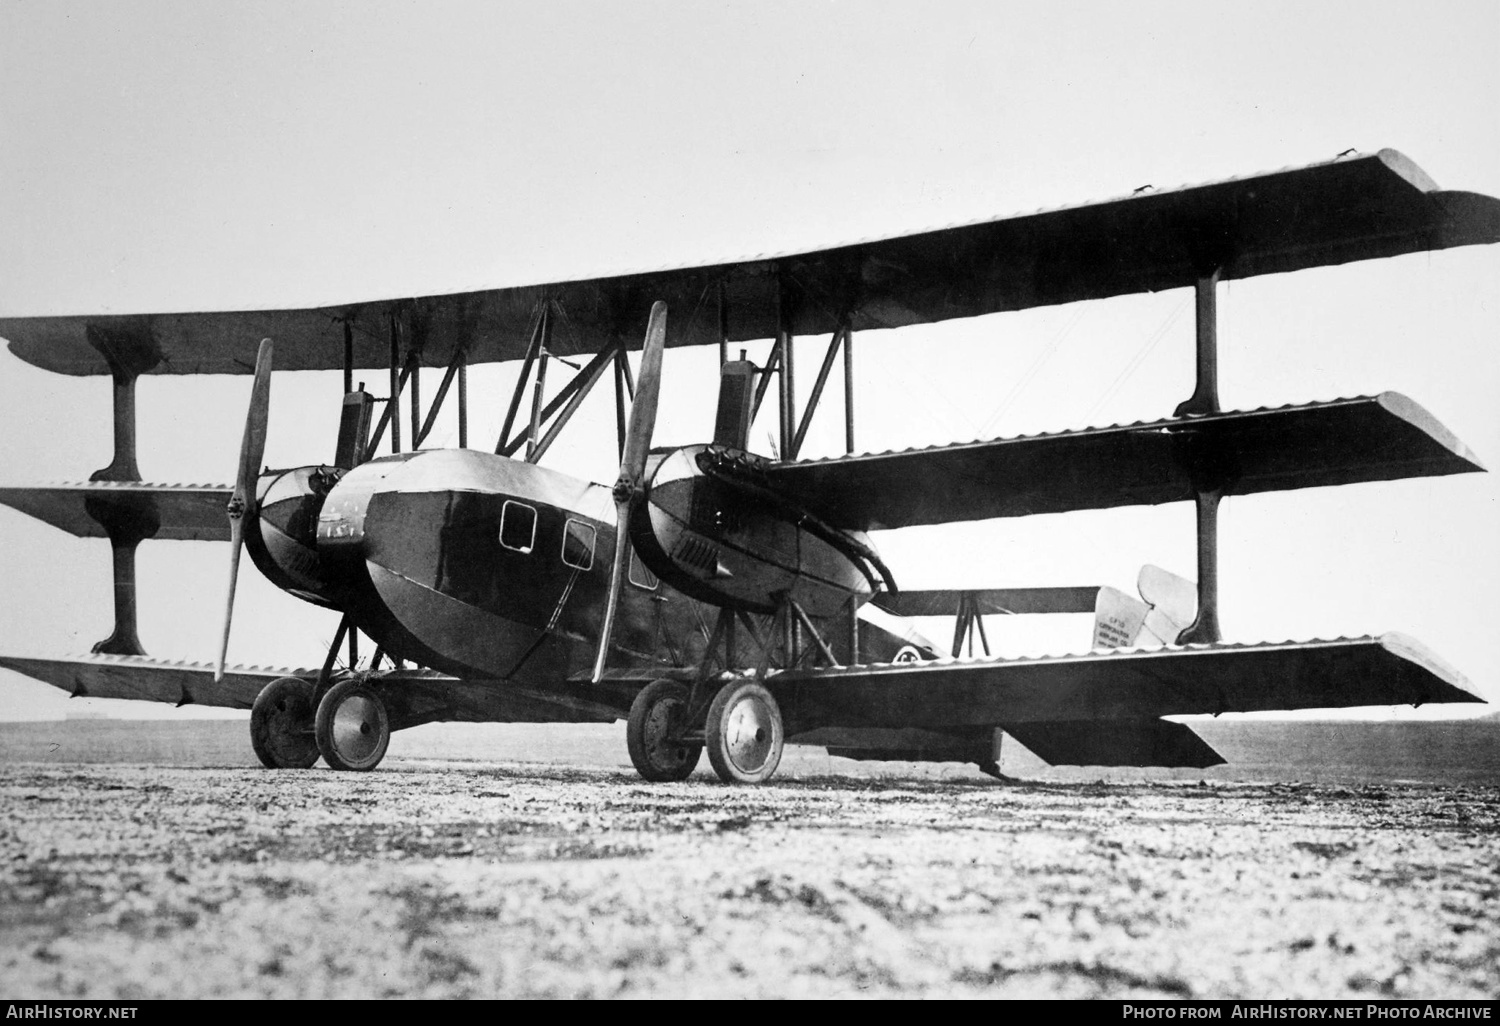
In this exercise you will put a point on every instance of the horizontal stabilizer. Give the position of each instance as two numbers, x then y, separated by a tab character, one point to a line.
1346	441
903	744
1133	685
1363	207
1115	743
987	601
82	508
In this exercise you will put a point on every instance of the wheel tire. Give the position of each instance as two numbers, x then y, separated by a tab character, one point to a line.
282	724
353	727
744	733
658	712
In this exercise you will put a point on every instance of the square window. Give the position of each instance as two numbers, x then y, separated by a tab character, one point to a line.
578	544
517	526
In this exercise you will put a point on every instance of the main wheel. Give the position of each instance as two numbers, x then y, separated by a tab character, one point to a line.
744	733
281	724
353	727
653	733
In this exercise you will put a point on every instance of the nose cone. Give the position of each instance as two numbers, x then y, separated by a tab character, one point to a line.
282	536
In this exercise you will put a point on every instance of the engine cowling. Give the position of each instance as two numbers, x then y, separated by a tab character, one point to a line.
713	531
282	537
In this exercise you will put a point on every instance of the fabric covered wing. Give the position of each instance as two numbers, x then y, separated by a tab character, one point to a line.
1128	685
414	696
1359	208
1380	438
151	680
172	512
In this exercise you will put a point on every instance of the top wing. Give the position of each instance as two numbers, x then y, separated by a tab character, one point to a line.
1379	438
1359	208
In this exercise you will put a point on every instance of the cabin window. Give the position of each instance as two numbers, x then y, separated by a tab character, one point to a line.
640	575
517	526
578	544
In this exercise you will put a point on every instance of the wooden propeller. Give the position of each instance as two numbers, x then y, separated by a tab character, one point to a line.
630	487
252	449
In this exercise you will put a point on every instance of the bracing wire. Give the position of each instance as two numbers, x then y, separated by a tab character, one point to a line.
1024	381
1150	344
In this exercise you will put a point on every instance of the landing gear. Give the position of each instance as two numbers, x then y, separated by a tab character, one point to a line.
654	733
353	727
281	724
744	733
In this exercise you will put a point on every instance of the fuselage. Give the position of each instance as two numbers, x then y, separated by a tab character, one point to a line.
491	568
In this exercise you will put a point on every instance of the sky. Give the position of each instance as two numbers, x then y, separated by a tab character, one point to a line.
188	156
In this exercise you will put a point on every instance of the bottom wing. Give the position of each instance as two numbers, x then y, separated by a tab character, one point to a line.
413	696
1134	685
151	680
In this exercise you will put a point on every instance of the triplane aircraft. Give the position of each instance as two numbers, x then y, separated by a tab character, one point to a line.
719	599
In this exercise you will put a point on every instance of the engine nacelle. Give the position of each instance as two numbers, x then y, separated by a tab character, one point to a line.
282	535
713	531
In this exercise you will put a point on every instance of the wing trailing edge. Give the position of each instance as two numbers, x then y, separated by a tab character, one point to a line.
1345	441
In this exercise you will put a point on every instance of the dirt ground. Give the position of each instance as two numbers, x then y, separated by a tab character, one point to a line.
454	880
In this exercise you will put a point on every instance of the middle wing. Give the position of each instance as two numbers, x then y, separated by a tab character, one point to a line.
1379	438
168	511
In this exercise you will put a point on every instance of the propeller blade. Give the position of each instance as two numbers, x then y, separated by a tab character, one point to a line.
252	450
236	540
643	409
629	486
616	582
253	446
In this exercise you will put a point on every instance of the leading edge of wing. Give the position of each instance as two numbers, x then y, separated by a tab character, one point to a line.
1343	441
152	680
1361	207
173	512
1134	684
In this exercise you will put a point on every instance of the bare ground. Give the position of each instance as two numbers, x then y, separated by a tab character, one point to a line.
448	880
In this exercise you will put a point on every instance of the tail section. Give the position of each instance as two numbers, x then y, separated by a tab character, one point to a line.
1167	606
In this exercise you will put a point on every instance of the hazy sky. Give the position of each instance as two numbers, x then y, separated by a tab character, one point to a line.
208	156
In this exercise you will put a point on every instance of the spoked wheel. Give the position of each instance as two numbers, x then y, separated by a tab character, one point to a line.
353	726
281	724
653	733
744	733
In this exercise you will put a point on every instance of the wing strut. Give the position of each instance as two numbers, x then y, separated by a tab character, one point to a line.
1210	478
1205	397
127	520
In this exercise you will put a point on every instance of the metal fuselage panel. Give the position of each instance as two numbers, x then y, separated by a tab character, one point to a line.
423	568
